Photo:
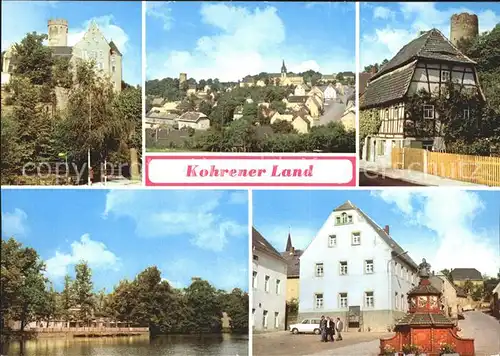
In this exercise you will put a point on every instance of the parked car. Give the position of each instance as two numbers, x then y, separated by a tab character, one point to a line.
307	326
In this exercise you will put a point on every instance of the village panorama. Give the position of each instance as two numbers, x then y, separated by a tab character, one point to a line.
266	112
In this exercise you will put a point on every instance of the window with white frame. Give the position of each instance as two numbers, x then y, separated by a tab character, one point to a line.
344	218
343	302
356	238
278	286
254	280
369	300
343	267
276	320
255	257
318	301
401	271
253	317
428	111
396	300
319	270
332	240
445	75
264	319
349	219
368	266
466	113
266	283
337	220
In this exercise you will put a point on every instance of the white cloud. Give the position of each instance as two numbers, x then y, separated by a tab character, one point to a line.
380	12
161	11
383	43
224	273
14	224
246	42
94	252
450	215
174	213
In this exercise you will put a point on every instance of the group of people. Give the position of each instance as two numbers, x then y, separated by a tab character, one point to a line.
329	327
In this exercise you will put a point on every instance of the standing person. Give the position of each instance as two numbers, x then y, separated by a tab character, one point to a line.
331	329
339	327
322	328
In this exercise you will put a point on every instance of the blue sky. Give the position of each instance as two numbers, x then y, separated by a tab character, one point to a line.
123	231
450	228
387	27
230	40
119	21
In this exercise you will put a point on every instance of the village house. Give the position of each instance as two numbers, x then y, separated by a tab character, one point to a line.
460	276
317	92
93	46
238	112
292	258
314	105
348	118
355	270
328	78
247	82
193	119
300	119
329	92
155	119
452	298
347	75
191	89
428	63
268	285
286	80
301	90
260	83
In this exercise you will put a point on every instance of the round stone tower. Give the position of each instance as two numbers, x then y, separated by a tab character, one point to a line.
463	26
58	32
182	79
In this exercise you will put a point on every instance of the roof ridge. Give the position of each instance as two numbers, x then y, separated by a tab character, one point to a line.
455	47
428	33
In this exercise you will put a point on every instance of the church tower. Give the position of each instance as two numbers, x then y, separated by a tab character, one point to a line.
283	70
58	33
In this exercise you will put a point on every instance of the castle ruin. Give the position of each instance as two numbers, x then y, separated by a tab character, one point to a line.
463	26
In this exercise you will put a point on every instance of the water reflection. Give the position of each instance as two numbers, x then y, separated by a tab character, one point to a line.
209	345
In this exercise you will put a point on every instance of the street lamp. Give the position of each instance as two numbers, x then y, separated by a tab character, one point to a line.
389	274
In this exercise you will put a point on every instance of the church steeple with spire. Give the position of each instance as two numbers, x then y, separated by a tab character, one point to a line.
283	70
289	246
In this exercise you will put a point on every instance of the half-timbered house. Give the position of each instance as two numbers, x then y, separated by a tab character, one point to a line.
428	63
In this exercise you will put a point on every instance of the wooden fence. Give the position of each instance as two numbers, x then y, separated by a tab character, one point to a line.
473	169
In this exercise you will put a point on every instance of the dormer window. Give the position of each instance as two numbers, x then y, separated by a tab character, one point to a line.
343	219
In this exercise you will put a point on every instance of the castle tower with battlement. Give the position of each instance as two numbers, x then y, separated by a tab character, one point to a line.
463	26
58	33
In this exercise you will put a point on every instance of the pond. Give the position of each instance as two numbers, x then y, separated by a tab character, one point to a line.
225	344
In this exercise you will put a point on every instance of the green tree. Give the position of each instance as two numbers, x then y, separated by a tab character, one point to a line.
83	287
205	107
33	59
282	127
204	309
23	290
67	299
235	304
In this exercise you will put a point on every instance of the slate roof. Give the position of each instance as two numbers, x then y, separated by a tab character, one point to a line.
437	319
396	249
261	244
192	116
430	45
114	48
392	80
463	274
62	51
392	86
363	81
297	98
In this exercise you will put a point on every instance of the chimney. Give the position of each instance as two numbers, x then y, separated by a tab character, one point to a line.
386	229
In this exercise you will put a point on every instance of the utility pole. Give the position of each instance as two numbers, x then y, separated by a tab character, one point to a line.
89	182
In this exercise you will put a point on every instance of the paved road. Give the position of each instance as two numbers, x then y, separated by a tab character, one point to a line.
373	180
333	112
484	329
285	343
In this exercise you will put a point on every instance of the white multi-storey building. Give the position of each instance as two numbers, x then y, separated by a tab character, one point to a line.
354	270
268	286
